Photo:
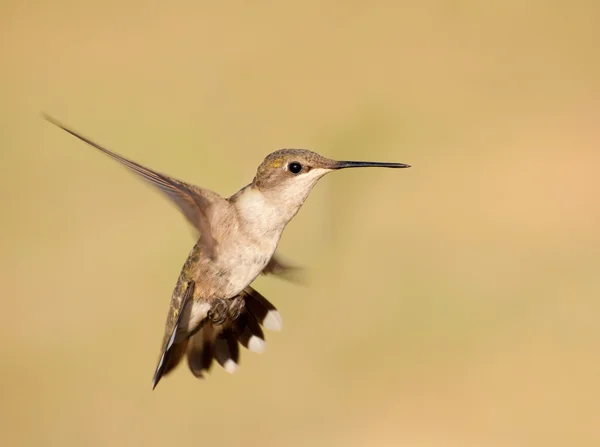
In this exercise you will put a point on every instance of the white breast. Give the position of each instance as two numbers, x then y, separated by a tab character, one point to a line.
254	240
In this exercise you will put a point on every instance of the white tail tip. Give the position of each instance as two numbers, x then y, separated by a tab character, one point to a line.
230	366
256	344
273	321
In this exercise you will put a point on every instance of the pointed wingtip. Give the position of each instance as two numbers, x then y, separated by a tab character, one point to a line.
159	371
57	123
155	381
49	118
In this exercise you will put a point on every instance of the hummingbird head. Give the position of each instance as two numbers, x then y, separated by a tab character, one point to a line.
290	174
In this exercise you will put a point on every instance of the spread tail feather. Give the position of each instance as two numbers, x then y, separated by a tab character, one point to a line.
221	343
200	351
264	312
227	351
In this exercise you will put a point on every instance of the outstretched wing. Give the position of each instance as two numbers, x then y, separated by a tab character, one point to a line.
284	270
172	352
194	202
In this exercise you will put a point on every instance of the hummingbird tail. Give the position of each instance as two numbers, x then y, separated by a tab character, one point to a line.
221	342
265	313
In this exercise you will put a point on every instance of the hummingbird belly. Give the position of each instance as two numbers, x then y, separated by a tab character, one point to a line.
238	261
243	264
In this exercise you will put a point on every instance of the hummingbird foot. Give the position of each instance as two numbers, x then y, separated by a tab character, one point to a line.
236	306
218	312
225	310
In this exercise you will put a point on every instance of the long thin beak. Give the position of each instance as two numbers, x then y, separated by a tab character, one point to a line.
368	164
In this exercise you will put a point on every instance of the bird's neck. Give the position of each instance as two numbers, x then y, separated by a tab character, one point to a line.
263	212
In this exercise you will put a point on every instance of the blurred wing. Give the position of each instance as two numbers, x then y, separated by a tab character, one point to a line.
193	201
284	270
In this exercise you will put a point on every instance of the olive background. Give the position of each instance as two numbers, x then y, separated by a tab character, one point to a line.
451	304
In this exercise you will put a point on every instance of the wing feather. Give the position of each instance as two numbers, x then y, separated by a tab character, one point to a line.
194	202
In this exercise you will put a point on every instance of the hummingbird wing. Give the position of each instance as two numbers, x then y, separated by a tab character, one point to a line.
284	270
165	363
194	202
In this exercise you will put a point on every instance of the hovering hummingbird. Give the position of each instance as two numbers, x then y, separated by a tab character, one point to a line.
213	308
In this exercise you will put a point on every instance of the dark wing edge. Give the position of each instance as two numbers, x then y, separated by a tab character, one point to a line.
165	357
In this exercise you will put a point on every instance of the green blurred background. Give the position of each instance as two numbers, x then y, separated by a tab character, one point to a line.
451	304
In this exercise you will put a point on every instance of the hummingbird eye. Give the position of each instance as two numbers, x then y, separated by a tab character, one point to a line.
294	167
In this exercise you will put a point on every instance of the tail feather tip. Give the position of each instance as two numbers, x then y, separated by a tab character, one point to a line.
256	344
230	366
273	321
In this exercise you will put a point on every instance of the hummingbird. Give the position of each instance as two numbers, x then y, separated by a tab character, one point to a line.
213	308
